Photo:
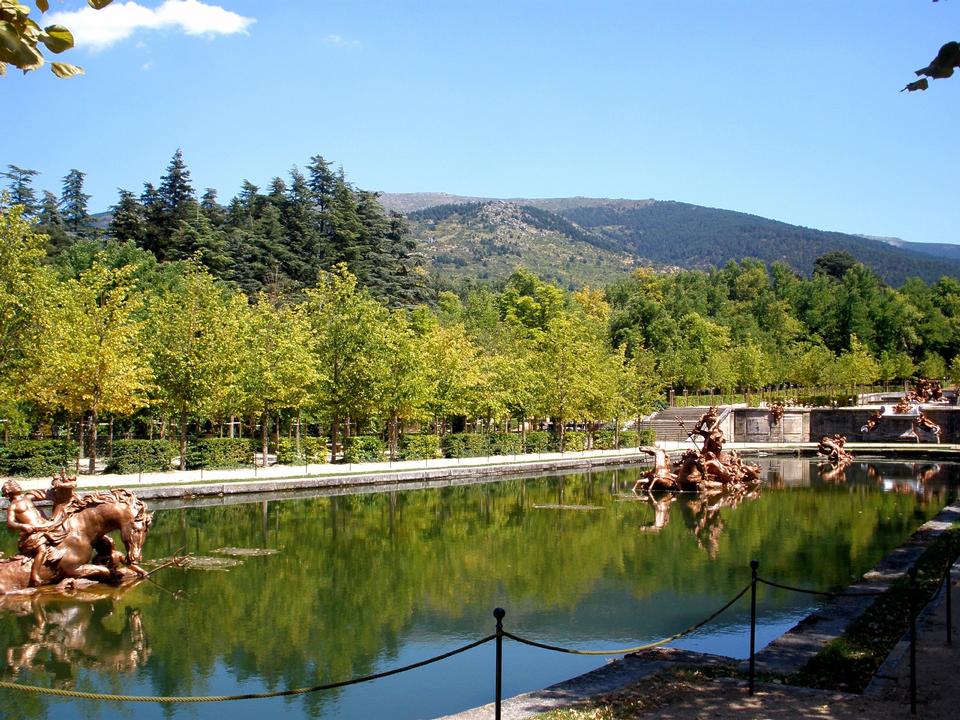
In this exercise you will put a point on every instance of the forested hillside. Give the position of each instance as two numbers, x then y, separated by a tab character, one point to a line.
664	234
488	240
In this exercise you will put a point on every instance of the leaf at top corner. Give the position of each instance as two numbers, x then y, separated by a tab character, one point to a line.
65	70
57	38
42	5
98	4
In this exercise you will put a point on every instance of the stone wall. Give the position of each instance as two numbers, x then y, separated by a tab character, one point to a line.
810	424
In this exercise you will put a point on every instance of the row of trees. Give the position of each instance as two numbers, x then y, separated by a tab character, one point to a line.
277	241
128	336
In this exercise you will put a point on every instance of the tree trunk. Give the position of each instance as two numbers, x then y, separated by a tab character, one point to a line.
92	466
183	438
298	436
264	434
80	440
334	437
392	431
110	439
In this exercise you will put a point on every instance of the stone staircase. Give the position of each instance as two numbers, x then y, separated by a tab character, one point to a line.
668	427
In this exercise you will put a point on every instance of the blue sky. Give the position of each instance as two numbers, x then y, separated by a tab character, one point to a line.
787	110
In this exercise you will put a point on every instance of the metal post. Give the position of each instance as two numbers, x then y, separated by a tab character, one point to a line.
754	564
949	586
913	640
499	613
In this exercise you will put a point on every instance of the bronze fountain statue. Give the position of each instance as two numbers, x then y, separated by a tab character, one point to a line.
74	542
706	468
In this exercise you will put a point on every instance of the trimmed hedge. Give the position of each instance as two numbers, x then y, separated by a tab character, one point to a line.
313	450
363	448
131	456
213	453
36	458
537	441
605	440
631	439
573	441
505	443
419	447
646	437
461	445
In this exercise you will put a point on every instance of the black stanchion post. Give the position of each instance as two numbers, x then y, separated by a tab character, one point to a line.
754	564
949	588
499	613
913	640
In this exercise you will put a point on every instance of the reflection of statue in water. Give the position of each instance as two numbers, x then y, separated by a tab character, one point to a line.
60	634
661	508
63	547
702	515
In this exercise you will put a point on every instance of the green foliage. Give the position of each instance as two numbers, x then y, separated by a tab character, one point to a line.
644	437
605	440
363	448
36	458
573	441
131	456
419	447
211	453
461	445
504	444
537	441
313	450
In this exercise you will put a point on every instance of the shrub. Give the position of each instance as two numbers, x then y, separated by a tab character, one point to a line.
537	441
363	448
419	447
221	452
460	445
504	443
631	438
36	458
646	437
131	456
573	441
313	450
605	440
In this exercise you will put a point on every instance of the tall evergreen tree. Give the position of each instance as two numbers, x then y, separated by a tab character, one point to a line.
21	188
52	224
212	208
177	203
127	221
73	202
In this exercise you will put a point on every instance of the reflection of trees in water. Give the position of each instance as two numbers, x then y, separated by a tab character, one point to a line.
356	573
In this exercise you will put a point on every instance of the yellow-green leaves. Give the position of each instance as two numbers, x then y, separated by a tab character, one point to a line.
21	37
57	38
65	70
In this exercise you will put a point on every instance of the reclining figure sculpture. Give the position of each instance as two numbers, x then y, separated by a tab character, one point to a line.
74	542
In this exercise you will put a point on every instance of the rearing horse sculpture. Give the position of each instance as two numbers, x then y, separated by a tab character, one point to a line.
89	519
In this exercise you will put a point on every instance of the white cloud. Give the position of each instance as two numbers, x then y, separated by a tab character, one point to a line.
339	41
99	29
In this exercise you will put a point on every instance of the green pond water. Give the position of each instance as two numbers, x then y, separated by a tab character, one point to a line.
362	583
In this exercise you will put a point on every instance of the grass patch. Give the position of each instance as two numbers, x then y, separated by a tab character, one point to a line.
849	662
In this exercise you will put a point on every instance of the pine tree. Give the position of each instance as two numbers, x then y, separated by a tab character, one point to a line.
127	221
74	204
21	188
345	228
52	224
176	204
301	222
212	208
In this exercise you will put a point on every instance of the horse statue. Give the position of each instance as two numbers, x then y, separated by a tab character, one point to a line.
76	543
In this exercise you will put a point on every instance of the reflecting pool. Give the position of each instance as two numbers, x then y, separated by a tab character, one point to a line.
354	584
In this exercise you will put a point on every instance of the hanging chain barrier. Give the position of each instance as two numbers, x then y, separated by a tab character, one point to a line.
638	648
500	633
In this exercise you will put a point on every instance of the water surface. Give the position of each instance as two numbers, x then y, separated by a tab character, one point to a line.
367	582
